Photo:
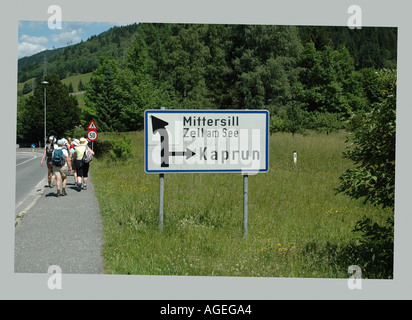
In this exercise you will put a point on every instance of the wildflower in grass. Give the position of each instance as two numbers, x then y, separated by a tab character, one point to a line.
143	188
286	250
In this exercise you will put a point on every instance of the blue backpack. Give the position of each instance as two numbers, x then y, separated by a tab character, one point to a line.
58	158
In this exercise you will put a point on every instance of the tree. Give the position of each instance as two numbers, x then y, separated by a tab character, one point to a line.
290	118
217	39
187	61
103	97
329	81
62	111
264	64
372	148
319	36
80	86
27	88
116	96
369	80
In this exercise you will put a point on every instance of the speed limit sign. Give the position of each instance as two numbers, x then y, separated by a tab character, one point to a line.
92	135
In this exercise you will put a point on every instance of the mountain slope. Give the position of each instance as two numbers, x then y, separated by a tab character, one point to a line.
79	58
370	47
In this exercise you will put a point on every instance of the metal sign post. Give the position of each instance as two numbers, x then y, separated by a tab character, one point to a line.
245	203
161	199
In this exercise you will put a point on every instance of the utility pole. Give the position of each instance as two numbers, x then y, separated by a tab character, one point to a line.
45	67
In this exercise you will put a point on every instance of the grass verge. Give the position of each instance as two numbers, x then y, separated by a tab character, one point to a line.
298	226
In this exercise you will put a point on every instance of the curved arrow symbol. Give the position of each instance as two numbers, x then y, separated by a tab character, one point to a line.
159	125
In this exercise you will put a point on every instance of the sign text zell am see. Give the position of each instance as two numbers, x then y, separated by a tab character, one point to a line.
206	141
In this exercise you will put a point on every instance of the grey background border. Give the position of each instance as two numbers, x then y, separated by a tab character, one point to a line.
320	12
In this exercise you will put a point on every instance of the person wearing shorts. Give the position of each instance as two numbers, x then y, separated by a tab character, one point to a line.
61	172
81	167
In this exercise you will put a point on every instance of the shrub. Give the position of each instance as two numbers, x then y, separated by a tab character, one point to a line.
290	118
374	251
277	124
121	149
114	148
325	122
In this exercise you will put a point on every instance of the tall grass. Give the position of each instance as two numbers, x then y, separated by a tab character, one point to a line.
297	226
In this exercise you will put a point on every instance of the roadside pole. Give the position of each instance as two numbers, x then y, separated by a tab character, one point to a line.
245	203
161	198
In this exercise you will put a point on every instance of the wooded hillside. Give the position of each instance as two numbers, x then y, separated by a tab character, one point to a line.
298	73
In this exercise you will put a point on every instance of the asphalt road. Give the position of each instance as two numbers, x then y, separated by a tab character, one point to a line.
50	231
30	177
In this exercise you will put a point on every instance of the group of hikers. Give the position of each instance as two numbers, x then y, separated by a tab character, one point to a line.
64	157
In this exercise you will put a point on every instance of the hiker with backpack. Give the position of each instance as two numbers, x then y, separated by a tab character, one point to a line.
61	167
48	152
83	154
66	146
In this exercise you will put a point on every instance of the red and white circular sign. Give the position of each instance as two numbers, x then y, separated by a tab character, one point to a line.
92	135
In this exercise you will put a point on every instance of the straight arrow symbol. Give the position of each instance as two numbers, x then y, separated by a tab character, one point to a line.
188	153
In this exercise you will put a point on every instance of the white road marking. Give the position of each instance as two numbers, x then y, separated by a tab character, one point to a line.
38	194
34	157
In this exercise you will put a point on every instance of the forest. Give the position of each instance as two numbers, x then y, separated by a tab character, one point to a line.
308	77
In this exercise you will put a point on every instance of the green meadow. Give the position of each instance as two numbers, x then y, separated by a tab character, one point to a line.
297	225
74	80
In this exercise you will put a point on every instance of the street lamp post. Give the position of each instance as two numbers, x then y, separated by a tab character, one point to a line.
45	137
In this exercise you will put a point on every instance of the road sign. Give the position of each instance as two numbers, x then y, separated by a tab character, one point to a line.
92	135
92	126
206	141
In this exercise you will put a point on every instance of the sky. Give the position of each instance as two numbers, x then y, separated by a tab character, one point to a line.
36	36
